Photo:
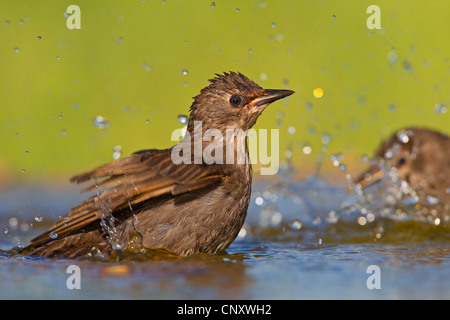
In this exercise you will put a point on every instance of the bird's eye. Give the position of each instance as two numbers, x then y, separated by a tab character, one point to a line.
236	100
401	162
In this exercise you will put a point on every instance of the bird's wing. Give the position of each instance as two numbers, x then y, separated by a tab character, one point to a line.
128	181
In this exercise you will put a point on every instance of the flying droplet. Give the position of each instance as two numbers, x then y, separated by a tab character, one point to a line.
440	108
16	50
184	72
318	93
119	40
403	135
53	235
237	10
39	37
326	137
296	225
183	119
213	5
101	122
117	152
334	16
38	218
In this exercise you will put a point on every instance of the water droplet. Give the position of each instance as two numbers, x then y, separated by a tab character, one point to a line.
403	135
75	106
39	37
259	201
27	152
135	242
119	40
66	15
184	72
250	51
364	158
273	25
58	58
407	66
296	225
213	5
63	132
307	150
263	76
362	221
183	119
318	93
431	200
237	10
101	122
440	108
53	235
21	22
60	115
13	222
336	159
392	56
117	152
392	107
309	106
38	218
7	22
16	50
334	16
326	138
23	170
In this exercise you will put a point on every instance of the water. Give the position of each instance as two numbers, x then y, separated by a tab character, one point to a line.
302	240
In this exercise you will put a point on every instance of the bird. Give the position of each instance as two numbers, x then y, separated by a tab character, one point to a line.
172	198
420	157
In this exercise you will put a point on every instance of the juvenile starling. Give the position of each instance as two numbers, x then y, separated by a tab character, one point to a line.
421	157
189	206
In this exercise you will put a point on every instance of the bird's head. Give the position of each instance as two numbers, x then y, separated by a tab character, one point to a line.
412	152
232	101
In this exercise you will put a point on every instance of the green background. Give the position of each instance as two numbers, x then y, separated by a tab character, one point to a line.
126	64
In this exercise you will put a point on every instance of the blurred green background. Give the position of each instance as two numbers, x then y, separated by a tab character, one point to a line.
139	63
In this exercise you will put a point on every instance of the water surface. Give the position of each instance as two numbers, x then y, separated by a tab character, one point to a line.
302	240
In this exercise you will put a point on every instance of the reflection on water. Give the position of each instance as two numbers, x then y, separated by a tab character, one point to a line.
303	239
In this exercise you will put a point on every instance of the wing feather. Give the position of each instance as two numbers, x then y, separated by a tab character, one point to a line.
128	181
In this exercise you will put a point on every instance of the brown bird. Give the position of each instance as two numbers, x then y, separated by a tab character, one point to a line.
174	198
421	157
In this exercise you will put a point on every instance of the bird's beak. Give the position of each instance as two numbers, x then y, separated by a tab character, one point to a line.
374	174
270	96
